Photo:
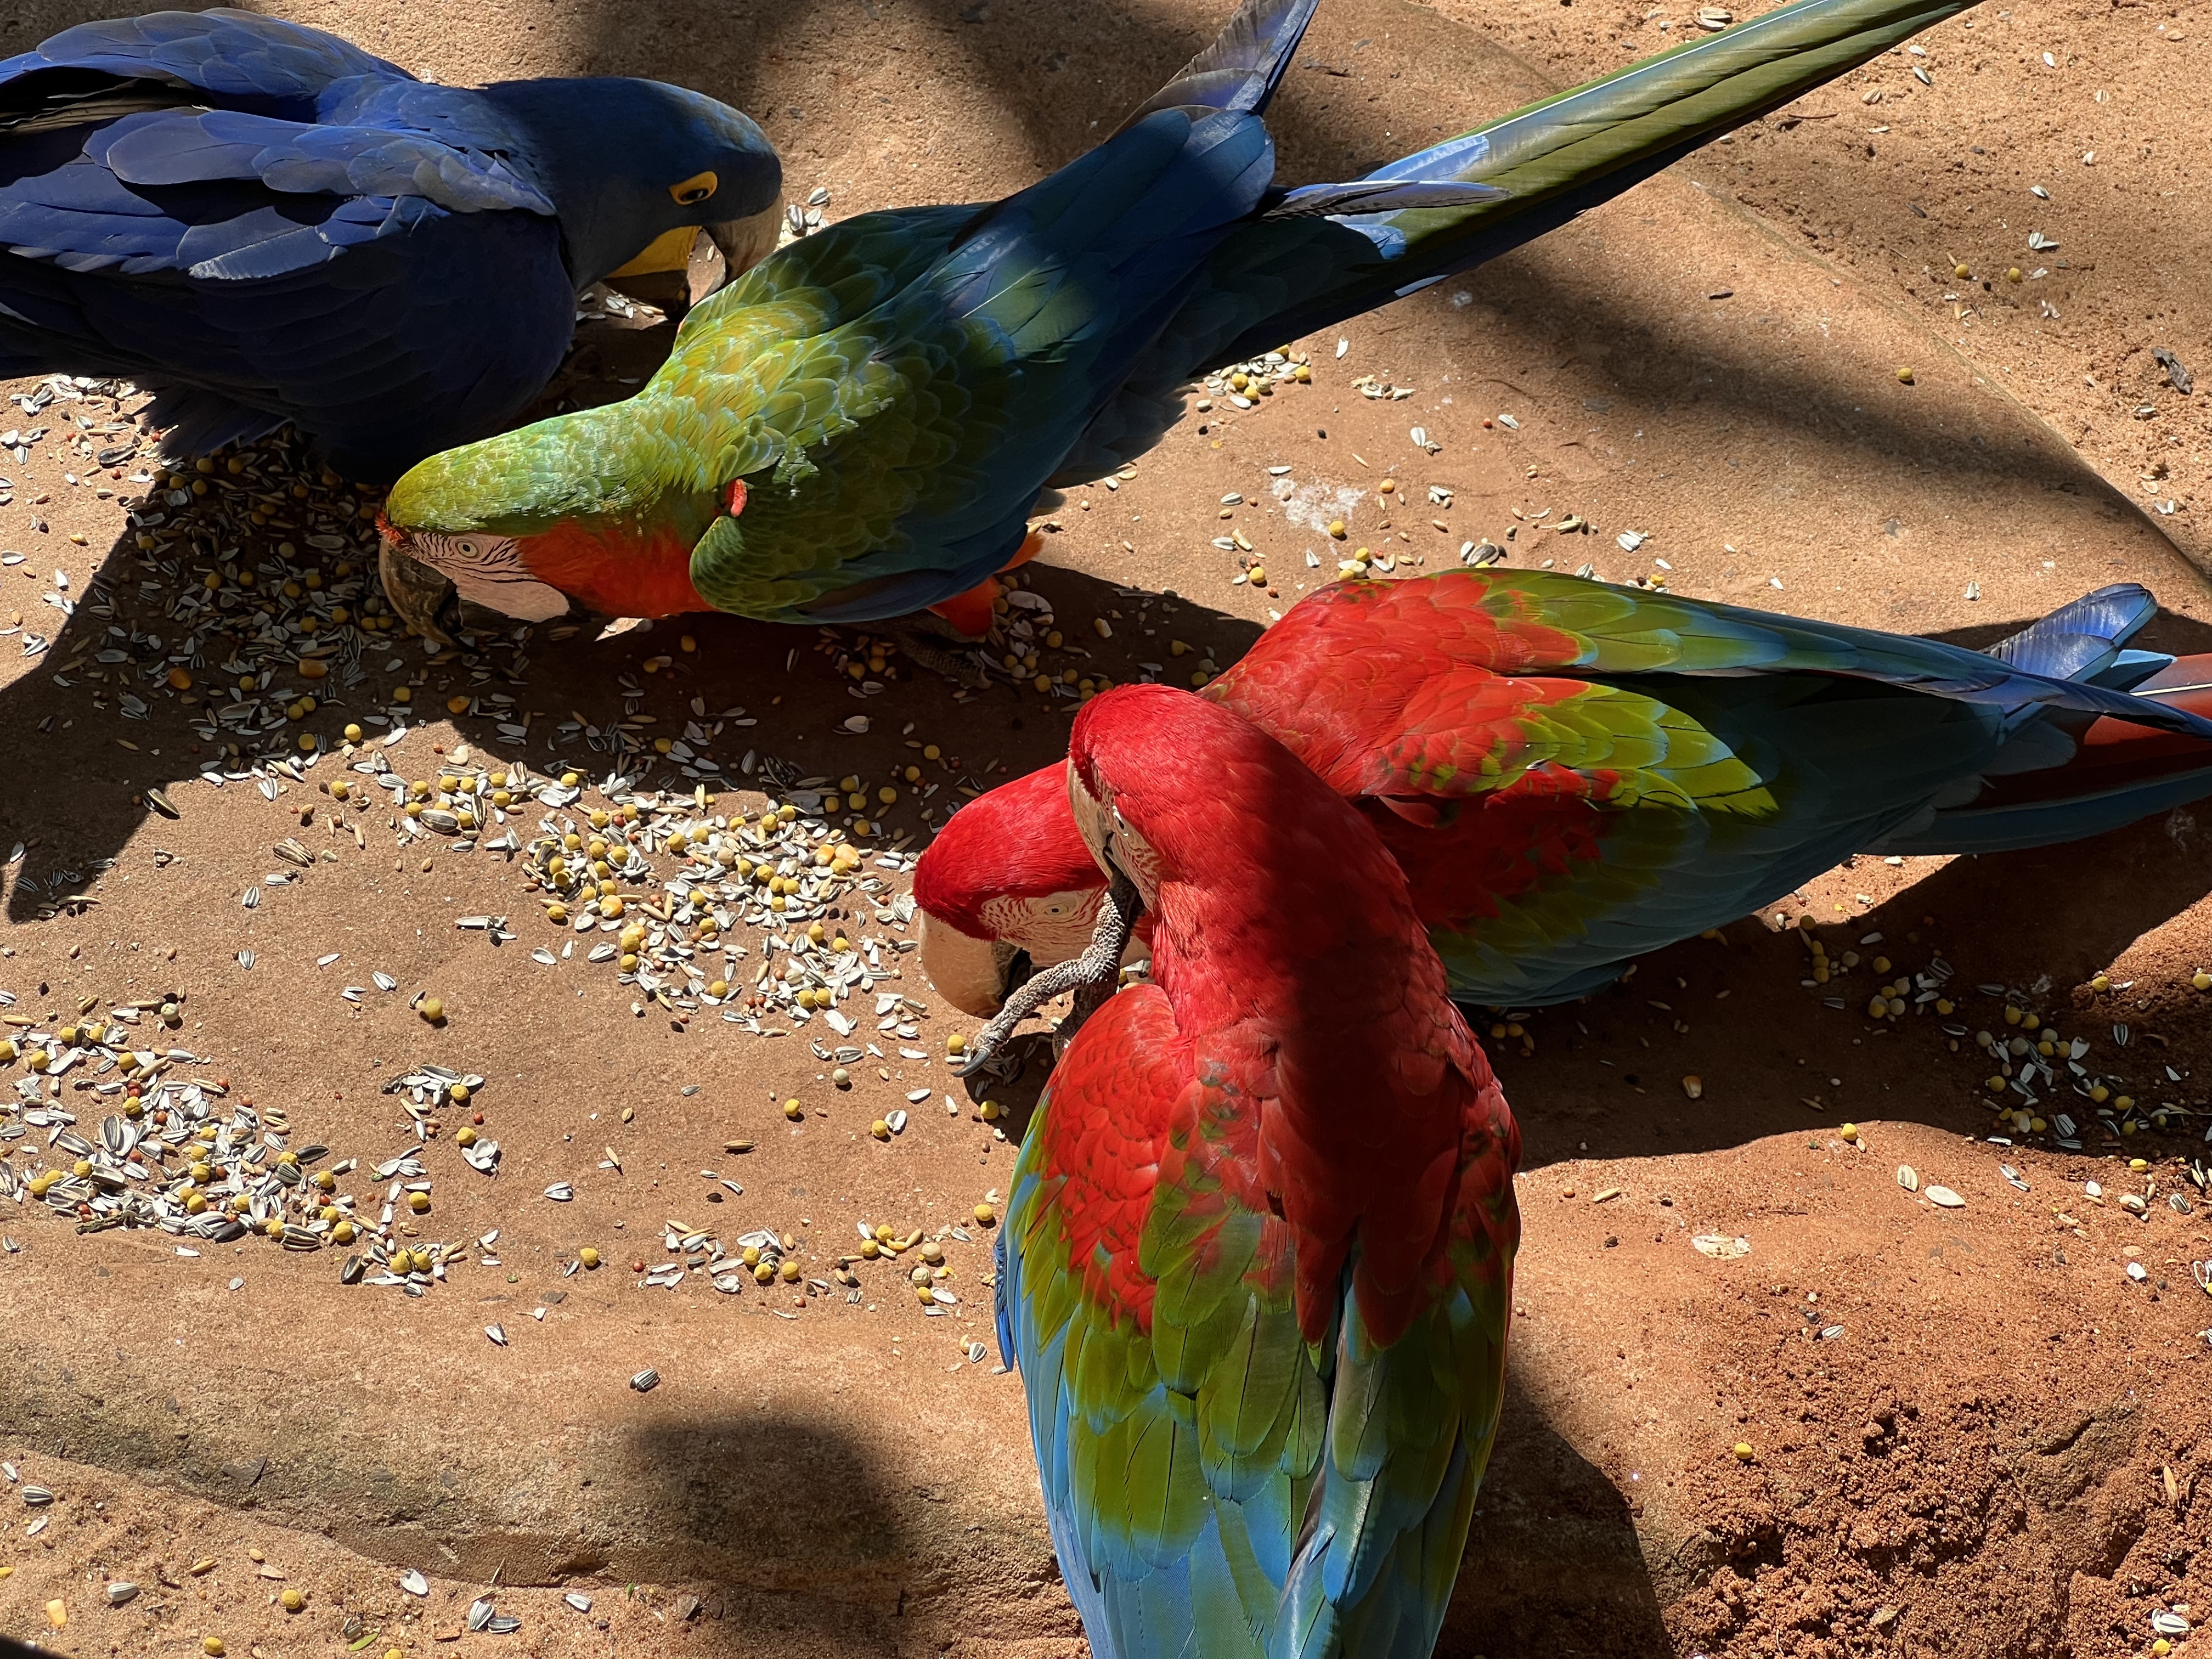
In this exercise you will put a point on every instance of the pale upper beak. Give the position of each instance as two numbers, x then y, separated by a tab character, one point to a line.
425	599
975	975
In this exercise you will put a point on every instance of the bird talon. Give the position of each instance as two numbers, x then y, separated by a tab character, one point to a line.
939	653
1094	976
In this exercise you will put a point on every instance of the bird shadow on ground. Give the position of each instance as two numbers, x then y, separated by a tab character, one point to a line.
749	1503
1553	1562
1542	302
91	738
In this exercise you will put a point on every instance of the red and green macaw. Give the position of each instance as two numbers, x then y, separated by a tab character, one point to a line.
860	427
1570	774
1257	1263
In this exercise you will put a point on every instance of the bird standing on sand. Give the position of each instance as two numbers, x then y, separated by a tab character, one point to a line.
1570	774
859	428
1256	1268
268	225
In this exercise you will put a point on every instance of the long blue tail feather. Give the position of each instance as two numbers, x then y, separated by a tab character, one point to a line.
1242	66
1276	279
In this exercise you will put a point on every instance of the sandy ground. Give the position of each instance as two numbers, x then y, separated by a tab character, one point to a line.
1971	1429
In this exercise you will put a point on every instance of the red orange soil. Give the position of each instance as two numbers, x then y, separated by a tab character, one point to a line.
2001	1453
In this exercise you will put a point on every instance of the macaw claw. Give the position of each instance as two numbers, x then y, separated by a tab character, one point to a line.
941	653
1093	976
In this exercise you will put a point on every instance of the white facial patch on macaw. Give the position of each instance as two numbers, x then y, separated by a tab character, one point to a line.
1052	928
489	571
1114	841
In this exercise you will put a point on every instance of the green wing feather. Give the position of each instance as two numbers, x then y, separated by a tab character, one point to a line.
1572	773
1273	282
1187	1433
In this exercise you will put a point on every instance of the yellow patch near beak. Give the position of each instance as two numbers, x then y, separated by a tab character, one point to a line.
669	252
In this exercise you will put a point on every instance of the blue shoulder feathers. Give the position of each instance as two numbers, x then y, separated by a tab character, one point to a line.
268	224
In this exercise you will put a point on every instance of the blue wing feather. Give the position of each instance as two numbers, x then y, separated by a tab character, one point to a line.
1074	275
236	55
275	263
2082	640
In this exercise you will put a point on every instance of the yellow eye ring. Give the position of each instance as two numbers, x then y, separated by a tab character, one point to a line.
697	188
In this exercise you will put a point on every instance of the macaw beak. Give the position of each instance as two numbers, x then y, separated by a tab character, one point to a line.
707	257
670	251
738	245
975	975
425	601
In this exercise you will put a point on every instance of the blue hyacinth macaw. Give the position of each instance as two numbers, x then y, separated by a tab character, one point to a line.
268	224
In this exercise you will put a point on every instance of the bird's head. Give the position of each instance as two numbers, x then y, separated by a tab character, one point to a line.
1123	770
635	168
1009	884
539	522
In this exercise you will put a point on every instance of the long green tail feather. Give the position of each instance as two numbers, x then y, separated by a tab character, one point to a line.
1274	280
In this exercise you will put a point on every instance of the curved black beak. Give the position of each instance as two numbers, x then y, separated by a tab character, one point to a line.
741	244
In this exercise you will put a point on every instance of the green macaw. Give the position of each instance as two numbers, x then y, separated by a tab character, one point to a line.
858	429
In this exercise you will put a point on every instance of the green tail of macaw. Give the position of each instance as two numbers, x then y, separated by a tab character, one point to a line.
1556	159
859	427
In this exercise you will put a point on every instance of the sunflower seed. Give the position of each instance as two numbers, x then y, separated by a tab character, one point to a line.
646	1381
1946	1198
1720	1247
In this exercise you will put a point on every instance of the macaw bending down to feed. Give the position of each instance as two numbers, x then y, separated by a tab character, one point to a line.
859	428
269	224
1257	1267
1571	774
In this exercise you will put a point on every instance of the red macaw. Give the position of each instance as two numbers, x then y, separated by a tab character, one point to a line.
1570	774
1257	1265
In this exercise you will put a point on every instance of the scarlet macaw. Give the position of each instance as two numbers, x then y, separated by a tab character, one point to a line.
1257	1267
271	224
1571	774
857	431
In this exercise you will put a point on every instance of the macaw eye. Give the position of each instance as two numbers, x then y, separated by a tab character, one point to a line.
697	188
1056	909
466	547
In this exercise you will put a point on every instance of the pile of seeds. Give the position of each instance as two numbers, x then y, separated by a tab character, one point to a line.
1245	384
771	1259
176	1154
674	929
2047	1084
